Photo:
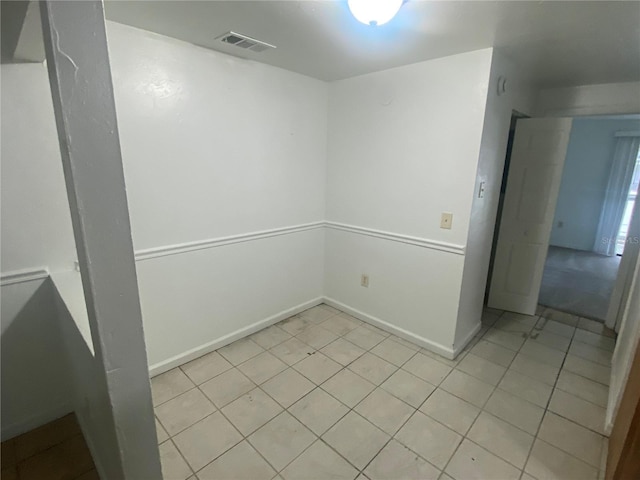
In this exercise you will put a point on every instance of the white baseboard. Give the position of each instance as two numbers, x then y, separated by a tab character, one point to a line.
209	347
35	421
387	327
467	339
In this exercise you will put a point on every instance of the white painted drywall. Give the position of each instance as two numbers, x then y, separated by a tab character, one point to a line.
215	146
36	232
403	148
237	147
608	98
412	288
75	40
584	181
518	96
89	392
36	226
627	344
194	299
35	381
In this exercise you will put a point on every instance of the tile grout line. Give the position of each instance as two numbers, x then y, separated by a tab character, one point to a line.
536	437
266	393
352	409
482	409
546	408
496	387
477	338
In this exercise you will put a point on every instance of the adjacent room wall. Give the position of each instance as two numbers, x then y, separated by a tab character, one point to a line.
584	180
35	381
603	99
218	152
403	148
36	234
36	225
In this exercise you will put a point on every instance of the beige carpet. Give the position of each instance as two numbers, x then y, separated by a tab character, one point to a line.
578	282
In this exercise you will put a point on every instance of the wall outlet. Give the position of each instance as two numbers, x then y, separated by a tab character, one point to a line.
446	220
364	280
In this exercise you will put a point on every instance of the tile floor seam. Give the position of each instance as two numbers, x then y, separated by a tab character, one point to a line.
455	450
580	375
577	396
334	423
319	437
497	387
243	437
173	398
184	459
50	447
546	410
576	423
350	409
286	409
392	437
258	428
482	409
564	451
246	439
219	410
216	409
521	469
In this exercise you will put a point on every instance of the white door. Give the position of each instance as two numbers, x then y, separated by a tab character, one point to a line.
626	344
629	258
537	158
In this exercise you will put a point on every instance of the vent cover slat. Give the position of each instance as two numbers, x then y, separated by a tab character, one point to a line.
243	41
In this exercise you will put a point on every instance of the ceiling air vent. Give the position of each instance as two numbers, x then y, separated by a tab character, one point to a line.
244	42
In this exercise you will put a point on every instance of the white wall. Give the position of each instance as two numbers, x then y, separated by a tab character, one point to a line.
229	169
35	381
36	225
403	148
584	180
519	96
609	98
626	346
36	232
215	146
88	392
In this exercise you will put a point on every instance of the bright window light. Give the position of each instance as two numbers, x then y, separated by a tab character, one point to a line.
374	12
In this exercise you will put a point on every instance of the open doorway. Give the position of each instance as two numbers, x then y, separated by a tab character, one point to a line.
595	203
586	227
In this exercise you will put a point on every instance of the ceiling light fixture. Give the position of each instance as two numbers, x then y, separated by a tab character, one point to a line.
374	12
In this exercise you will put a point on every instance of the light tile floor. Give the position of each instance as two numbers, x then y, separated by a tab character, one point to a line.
323	395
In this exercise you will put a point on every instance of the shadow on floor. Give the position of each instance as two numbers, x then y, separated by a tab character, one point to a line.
55	451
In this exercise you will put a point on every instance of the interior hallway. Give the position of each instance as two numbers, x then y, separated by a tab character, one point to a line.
578	282
324	395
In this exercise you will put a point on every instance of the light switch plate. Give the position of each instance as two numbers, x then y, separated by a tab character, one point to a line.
446	220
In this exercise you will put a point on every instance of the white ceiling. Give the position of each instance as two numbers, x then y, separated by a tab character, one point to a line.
556	43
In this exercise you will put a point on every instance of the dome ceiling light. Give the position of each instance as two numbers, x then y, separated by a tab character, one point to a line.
374	12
